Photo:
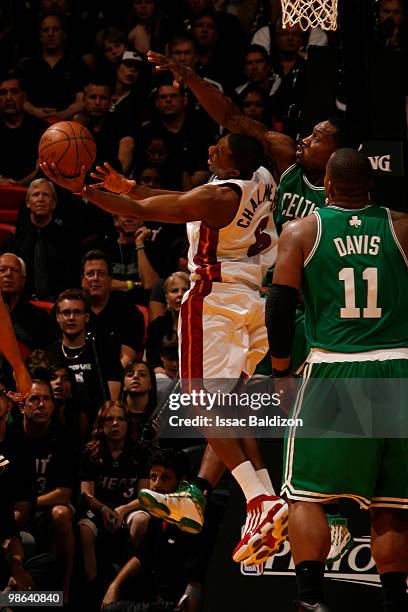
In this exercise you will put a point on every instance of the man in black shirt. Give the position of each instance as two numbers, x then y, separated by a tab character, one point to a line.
20	134
48	249
94	361
31	324
112	312
55	467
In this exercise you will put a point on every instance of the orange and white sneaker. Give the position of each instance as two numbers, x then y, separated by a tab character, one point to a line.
266	525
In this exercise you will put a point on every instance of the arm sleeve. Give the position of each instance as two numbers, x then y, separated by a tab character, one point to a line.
280	313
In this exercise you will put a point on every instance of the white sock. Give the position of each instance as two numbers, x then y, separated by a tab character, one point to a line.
264	477
248	480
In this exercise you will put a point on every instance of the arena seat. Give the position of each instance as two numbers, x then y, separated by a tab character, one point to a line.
47	306
145	312
5	232
11	198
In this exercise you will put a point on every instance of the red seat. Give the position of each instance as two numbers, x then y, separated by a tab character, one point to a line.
47	306
145	312
8	216
5	232
11	198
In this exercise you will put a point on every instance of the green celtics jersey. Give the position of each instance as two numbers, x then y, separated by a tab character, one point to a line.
355	282
296	197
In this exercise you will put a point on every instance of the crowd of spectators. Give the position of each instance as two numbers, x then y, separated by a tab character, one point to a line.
94	298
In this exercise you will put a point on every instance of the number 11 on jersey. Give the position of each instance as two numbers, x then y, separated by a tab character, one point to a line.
351	311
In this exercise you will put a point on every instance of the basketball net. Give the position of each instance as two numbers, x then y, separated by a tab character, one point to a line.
310	14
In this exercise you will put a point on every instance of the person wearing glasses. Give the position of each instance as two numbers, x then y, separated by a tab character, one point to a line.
96	368
113	469
112	312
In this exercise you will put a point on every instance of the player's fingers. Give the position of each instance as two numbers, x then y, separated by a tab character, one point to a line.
109	167
82	172
96	185
55	170
101	170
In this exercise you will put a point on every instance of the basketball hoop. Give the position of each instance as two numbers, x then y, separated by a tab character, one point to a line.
310	14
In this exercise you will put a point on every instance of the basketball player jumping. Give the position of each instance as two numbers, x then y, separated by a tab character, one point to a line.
230	229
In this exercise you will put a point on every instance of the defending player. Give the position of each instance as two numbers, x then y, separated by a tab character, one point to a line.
229	227
350	260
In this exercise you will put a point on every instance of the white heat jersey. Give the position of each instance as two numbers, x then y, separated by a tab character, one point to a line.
243	250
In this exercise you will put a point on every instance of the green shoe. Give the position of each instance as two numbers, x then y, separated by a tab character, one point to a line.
340	537
184	508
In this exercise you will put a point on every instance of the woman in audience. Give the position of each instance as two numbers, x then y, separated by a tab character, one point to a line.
113	469
175	287
140	397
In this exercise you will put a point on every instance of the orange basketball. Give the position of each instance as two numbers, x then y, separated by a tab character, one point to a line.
69	145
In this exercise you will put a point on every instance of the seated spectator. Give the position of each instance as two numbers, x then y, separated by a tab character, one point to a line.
110	43
183	49
178	260
130	259
38	360
111	311
68	409
216	61
257	69
177	560
129	97
155	149
113	136
149	29
288	68
49	448
140	396
20	134
18	460
170	360
31	324
392	27
255	103
53	80
94	361
181	128
175	287
48	250
112	472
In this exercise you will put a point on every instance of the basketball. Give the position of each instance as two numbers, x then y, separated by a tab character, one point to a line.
69	145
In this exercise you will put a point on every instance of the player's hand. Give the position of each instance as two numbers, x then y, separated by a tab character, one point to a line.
23	383
110	519
142	234
121	511
287	387
111	596
111	180
180	73
20	580
74	184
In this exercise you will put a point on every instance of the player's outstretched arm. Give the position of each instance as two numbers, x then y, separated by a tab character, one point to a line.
214	204
280	147
9	348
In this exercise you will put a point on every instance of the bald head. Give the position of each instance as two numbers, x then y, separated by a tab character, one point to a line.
348	175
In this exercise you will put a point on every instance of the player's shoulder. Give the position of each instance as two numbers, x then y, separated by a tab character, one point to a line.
224	190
